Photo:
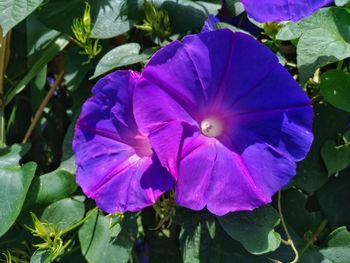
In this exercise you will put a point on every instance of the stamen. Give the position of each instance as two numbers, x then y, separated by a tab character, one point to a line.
212	127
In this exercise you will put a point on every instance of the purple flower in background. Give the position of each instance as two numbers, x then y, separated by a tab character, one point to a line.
282	10
210	23
225	119
116	165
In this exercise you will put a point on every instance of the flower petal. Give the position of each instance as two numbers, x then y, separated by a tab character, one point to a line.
211	175
288	131
162	118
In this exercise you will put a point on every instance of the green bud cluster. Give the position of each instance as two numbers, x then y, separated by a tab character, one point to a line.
82	28
156	22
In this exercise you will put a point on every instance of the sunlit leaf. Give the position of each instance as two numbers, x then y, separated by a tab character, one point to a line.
15	181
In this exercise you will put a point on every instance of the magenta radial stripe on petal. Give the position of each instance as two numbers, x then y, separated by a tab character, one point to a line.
115	162
225	118
282	10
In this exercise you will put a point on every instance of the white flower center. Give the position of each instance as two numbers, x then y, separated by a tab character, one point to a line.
212	127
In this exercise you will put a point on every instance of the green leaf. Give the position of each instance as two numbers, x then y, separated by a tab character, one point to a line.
160	246
334	198
225	250
49	53
109	22
338	250
203	240
120	56
298	219
235	7
40	256
51	187
106	16
39	38
254	229
196	241
102	243
15	181
53	11
74	68
335	88
311	172
340	237
64	213
186	15
335	157
336	255
325	39
289	31
37	88
14	11
341	2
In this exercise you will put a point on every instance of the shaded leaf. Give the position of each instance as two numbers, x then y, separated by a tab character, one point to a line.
254	229
75	69
311	172
202	239
49	53
40	256
340	237
106	17
335	157
188	15
158	245
51	187
334	197
102	243
15	181
64	213
38	39
195	242
335	88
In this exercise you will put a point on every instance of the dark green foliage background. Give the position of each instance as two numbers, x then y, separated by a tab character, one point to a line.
37	178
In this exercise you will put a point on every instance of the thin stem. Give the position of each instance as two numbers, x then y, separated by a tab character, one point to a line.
4	56
340	64
290	240
42	107
315	235
80	222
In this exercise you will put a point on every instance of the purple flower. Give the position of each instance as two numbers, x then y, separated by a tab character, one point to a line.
282	10
116	164
225	119
210	23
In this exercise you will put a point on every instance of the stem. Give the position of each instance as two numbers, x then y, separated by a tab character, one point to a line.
290	240
80	222
340	65
4	56
42	107
315	235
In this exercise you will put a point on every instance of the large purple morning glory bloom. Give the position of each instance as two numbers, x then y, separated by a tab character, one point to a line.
282	10
225	118
116	165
